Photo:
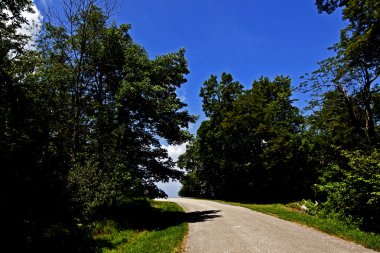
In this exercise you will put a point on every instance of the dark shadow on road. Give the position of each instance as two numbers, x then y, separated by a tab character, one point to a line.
201	216
143	216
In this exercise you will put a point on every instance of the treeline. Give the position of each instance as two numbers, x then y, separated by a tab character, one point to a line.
256	146
251	148
82	114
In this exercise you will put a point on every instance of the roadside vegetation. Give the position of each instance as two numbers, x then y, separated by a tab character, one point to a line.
305	213
145	227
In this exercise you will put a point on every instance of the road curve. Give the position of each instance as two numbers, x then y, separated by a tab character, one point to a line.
216	227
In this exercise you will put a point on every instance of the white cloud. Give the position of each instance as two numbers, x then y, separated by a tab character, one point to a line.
182	98
174	151
45	3
172	187
181	93
34	26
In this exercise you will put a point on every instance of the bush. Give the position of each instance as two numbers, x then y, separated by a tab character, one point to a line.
355	197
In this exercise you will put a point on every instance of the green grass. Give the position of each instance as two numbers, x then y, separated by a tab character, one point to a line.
329	226
159	228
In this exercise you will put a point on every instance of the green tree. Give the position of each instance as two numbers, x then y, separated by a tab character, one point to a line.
356	88
266	128
343	128
12	19
251	148
82	116
355	69
119	104
360	39
332	123
193	185
218	98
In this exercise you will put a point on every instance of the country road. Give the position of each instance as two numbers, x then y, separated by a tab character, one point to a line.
222	228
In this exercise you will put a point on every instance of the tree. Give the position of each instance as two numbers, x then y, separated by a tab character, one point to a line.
360	39
267	127
12	19
119	104
250	148
193	182
26	183
333	125
218	97
82	116
344	127
355	69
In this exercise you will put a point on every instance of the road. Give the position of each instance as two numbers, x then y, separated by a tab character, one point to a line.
216	227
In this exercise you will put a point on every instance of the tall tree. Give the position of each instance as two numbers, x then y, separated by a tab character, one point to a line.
218	98
251	147
120	103
356	86
344	127
360	39
82	116
355	69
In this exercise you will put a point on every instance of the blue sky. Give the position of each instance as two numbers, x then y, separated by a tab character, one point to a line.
247	38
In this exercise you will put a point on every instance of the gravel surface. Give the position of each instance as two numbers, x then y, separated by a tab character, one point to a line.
216	227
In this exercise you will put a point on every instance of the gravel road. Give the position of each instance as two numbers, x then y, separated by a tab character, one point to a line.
216	227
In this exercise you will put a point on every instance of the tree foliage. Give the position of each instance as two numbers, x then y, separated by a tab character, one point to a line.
249	149
82	117
360	39
343	127
354	195
355	69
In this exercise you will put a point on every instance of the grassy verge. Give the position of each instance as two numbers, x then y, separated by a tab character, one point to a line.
329	226
159	228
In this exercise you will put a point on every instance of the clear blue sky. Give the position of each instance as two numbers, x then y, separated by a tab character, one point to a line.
247	38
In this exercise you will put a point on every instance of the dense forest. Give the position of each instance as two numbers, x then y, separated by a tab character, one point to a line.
84	110
256	146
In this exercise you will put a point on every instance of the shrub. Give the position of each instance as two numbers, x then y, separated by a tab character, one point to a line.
356	195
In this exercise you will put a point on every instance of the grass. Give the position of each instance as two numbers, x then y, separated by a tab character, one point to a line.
158	228
329	226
